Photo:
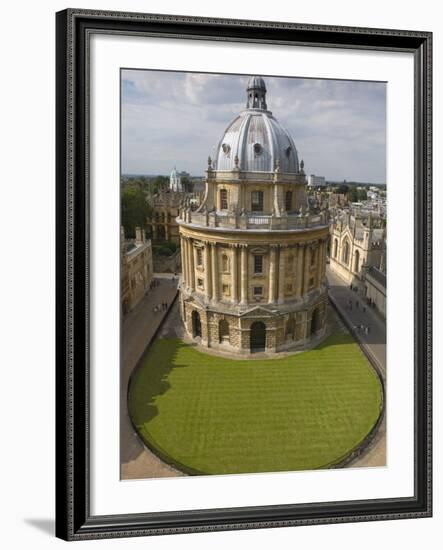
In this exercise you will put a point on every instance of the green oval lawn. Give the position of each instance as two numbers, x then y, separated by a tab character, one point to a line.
212	415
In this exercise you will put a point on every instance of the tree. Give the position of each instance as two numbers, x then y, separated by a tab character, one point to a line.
342	189
353	194
158	183
362	195
134	208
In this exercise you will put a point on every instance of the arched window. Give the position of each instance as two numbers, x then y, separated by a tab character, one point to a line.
357	261
161	233
196	324
257	338
345	253
223	331
225	263
257	201
335	247
223	199
288	200
315	321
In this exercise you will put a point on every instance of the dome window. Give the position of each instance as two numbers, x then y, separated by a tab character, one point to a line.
288	151
226	149
258	149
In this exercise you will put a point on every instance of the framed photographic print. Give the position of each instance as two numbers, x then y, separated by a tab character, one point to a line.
243	274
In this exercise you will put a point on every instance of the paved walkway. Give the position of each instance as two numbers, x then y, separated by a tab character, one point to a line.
138	328
375	345
360	314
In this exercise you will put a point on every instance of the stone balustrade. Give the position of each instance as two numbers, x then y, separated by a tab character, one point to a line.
252	220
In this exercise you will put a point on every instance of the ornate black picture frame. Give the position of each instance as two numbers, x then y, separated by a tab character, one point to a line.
74	30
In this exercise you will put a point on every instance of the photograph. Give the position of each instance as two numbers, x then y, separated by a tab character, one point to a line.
228	356
253	269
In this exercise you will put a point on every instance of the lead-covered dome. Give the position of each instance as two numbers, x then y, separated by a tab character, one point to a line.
255	141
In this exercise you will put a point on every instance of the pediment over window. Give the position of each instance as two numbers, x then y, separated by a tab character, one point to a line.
257	311
258	250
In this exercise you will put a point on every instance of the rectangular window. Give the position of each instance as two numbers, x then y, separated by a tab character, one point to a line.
258	291
290	264
311	282
289	289
223	199
313	254
288	201
257	201
226	290
200	283
199	256
258	264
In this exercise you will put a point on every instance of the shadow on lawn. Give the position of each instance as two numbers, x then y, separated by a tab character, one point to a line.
151	378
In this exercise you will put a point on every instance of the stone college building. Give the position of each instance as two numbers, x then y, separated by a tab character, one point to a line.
253	257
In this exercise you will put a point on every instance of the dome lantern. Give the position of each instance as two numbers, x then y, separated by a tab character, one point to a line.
256	93
256	138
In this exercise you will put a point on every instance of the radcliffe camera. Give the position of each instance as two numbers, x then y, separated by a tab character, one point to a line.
253	274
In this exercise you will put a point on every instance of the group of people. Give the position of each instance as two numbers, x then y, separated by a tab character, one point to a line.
359	328
154	283
363	328
160	307
357	305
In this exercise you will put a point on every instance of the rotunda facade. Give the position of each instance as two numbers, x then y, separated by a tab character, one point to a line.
253	256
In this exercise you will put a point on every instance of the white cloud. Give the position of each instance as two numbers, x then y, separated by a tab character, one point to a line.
172	118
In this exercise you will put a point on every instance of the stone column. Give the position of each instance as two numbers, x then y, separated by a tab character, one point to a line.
244	275
306	277
272	273
299	270
191	265
316	256
281	276
323	272
183	256
185	268
320	261
234	275
214	269
207	260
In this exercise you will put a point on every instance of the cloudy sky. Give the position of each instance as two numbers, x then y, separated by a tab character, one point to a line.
171	118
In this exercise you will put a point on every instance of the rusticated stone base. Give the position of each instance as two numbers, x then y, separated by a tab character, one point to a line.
284	328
